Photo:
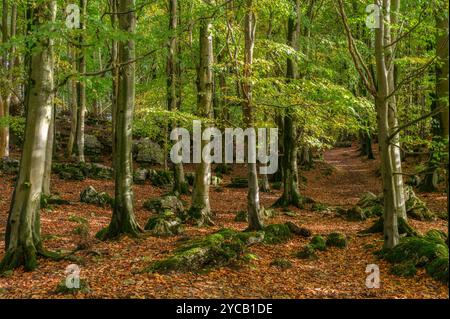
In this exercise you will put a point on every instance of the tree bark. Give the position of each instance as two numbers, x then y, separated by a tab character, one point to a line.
49	154
291	195
391	17
4	96
180	185
391	235
123	220
253	204
200	210
23	240
73	96
81	86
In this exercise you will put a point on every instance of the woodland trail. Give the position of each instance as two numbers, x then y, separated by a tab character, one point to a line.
110	267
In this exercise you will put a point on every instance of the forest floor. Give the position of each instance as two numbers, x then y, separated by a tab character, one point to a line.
109	267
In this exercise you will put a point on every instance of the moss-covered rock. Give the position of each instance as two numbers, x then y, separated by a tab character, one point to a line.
91	196
215	250
165	203
81	171
140	175
404	269
355	213
318	242
437	236
319	207
281	263
160	178
336	240
277	233
307	252
429	251
438	269
415	207
419	250
164	225
62	287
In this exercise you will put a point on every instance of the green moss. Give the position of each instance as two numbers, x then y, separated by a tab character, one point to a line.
336	240
418	250
277	233
241	216
319	207
404	269
160	178
437	236
62	288
101	234
162	225
204	253
438	269
318	242
307	252
403	228
281	263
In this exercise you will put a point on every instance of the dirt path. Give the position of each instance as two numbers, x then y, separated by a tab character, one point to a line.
352	175
109	267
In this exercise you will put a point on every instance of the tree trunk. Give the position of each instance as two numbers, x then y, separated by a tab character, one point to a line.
49	154
73	96
200	210
4	96
81	86
391	19
291	194
23	240
253	205
115	74
123	220
180	185
391	235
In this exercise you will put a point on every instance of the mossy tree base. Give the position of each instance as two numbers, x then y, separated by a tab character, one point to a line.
114	231
27	256
200	216
294	199
403	228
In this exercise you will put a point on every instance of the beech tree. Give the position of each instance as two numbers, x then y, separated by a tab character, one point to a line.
23	238
123	220
200	210
253	201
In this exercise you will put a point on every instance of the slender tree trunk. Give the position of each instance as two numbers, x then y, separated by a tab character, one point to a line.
123	220
201	210
115	74
180	185
49	154
391	18
4	95
253	205
73	96
391	235
22	240
291	195
81	86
